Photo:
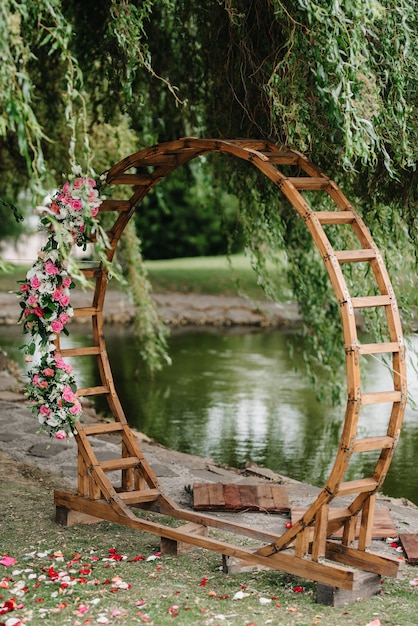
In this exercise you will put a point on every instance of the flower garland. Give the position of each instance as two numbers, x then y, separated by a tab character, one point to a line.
69	219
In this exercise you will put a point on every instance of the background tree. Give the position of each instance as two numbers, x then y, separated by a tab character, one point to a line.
92	81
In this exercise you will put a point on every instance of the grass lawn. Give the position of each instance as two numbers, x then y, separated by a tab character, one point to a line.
200	275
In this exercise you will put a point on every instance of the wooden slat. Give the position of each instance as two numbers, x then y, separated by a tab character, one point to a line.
85	311
92	391
368	444
136	497
335	217
409	543
309	183
371	301
132	179
379	397
355	256
362	485
379	348
90	272
88	351
239	497
115	205
119	464
281	158
102	429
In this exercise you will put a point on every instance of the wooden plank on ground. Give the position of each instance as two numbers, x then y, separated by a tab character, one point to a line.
240	497
383	526
409	542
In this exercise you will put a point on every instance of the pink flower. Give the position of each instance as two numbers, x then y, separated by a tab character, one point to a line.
43	384
94	211
50	268
77	205
24	287
35	283
91	182
68	394
32	300
57	326
57	295
38	311
65	300
76	408
35	379
60	434
78	183
48	372
63	318
62	365
66	282
66	187
45	410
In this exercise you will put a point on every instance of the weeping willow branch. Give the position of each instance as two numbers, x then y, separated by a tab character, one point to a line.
149	328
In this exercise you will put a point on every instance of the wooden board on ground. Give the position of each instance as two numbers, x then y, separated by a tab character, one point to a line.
241	497
383	526
409	542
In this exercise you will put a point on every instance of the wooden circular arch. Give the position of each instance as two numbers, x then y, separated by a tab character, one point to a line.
141	172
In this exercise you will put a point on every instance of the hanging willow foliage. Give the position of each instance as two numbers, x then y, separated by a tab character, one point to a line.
337	80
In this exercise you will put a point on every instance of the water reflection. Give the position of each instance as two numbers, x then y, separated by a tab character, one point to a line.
237	397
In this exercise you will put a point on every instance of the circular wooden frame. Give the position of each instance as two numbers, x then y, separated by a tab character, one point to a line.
141	172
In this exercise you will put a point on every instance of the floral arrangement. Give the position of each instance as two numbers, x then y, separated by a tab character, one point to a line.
69	219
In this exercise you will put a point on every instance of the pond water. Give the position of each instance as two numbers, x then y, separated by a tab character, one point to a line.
238	396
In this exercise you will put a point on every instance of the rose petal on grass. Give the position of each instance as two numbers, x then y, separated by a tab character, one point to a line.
265	600
413	582
8	560
203	582
375	622
240	595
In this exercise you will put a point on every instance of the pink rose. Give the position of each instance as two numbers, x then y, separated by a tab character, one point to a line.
43	384
57	326
35	283
45	410
38	311
76	408
77	205
35	379
63	318
65	300
60	434
62	365
68	394
66	282
78	183
50	268
91	182
94	211
32	300
48	372
56	295
66	187
24	287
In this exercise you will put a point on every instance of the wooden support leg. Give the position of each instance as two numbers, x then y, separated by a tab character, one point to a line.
320	533
176	547
366	527
68	517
